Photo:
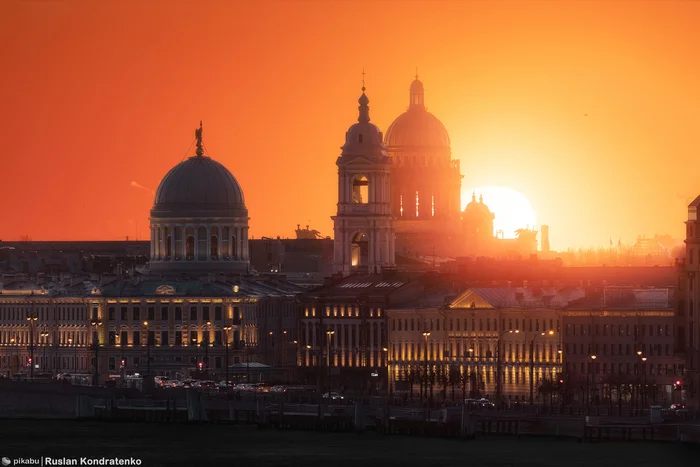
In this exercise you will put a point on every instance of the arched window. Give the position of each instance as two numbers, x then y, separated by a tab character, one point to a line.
360	138
360	189
234	251
359	250
189	247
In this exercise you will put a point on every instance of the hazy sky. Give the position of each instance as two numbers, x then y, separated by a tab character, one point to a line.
590	109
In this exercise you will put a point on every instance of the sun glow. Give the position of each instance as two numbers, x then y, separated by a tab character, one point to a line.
512	209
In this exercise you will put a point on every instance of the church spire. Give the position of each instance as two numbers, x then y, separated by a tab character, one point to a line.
198	136
364	101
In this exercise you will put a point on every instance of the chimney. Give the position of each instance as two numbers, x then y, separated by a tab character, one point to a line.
545	239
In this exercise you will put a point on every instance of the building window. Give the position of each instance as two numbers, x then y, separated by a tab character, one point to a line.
124	313
193	337
205	313
164	338
178	338
136	312
124	338
112	338
111	312
164	313
360	189
151	337
360	138
193	313
178	313
217	313
151	313
136	338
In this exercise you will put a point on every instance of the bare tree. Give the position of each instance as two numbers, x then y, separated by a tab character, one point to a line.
25	238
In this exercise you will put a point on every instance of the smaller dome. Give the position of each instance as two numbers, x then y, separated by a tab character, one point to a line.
417	86
364	138
477	208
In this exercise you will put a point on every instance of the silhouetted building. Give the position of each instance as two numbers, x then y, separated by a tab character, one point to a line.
425	180
363	225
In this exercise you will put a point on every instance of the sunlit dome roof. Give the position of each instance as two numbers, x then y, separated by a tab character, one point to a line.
199	187
417	127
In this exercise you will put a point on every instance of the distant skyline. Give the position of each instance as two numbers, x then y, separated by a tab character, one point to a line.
589	109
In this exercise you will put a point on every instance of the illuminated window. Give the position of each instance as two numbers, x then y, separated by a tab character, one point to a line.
401	205
433	205
417	204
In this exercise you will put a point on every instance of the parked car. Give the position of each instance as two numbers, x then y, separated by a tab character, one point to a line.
333	396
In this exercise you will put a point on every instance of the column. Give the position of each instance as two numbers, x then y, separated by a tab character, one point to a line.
239	250
153	249
163	253
244	243
184	241
208	242
219	241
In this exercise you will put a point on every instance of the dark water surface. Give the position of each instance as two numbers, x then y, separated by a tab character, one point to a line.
204	445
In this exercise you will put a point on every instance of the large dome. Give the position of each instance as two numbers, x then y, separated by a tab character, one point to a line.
417	127
199	187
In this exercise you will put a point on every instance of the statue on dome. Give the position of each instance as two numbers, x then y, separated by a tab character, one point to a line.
198	136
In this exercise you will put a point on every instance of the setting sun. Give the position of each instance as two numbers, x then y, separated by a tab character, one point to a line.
512	209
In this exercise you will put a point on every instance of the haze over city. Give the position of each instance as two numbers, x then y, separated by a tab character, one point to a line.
588	109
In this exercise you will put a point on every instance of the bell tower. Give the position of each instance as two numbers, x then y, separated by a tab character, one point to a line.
363	226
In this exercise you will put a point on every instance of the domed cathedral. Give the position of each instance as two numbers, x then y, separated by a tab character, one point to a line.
425	182
199	221
363	225
477	227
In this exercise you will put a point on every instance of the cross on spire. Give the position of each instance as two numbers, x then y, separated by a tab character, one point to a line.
363	80
416	71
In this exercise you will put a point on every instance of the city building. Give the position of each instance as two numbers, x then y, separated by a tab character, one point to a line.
195	311
454	339
343	333
618	344
688	307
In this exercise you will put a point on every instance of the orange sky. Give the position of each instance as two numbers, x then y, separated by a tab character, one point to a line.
99	94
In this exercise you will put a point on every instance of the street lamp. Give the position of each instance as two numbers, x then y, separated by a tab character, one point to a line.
70	367
532	362
329	333
206	348
590	374
96	345
426	334
44	335
644	390
148	354
385	367
499	364
227	328
12	342
32	321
